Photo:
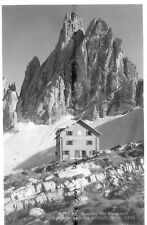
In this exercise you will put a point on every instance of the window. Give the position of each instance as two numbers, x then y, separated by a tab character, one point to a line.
88	142
56	153
88	133
69	142
69	133
65	152
77	154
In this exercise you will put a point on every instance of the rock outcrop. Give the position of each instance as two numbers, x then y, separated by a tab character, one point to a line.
10	100
86	70
103	170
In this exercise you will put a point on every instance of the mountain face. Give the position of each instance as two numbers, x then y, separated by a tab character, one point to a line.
10	100
86	75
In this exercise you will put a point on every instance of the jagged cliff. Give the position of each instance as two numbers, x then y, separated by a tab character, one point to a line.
86	74
10	100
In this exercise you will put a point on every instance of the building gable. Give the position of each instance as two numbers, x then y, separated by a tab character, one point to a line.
81	123
86	126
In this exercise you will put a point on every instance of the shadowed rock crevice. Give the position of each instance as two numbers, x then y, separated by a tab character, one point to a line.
73	77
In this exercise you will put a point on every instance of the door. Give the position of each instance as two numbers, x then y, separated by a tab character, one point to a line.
65	155
83	153
77	154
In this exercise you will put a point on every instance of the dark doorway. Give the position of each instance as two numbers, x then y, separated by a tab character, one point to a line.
83	153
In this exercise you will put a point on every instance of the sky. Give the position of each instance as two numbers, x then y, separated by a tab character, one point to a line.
29	31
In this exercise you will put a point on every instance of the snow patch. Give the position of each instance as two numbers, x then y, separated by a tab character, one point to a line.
69	172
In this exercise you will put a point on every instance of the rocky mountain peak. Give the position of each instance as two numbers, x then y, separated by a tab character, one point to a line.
129	69
12	87
86	73
97	29
117	44
32	66
72	24
29	74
